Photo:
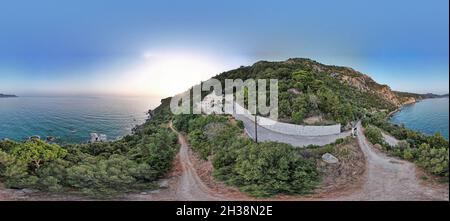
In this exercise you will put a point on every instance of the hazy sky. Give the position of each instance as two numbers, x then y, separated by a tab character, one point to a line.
162	47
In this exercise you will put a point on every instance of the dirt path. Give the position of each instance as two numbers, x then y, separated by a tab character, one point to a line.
390	139
184	182
391	179
190	186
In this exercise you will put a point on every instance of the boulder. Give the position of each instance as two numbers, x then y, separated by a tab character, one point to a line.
329	158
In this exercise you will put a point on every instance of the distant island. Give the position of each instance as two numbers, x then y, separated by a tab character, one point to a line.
7	95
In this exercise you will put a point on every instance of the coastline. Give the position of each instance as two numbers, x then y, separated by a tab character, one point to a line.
390	114
71	120
425	131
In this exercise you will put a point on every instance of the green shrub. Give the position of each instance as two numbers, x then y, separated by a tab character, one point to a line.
434	160
240	124
374	135
403	145
271	168
408	154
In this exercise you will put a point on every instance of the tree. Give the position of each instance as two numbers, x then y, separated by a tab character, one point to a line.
329	102
36	152
345	113
285	108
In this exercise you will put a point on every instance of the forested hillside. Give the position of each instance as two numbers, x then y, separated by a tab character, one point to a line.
314	93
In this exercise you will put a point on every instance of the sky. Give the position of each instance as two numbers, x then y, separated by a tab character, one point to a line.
52	47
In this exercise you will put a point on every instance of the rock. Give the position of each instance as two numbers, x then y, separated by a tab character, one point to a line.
334	74
50	139
329	158
35	137
378	146
143	193
102	138
294	91
163	184
154	191
94	137
28	191
98	138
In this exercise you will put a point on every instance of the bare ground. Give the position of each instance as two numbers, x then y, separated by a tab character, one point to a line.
390	139
388	178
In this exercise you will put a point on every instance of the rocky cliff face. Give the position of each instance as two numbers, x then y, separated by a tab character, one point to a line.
386	92
358	80
365	83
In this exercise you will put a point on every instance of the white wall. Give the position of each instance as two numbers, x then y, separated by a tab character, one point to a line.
285	128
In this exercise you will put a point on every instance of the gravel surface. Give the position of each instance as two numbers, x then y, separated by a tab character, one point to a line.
390	139
190	185
389	178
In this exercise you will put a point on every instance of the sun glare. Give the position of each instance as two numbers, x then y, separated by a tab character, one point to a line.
169	73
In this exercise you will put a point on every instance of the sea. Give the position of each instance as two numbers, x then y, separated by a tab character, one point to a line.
427	116
72	119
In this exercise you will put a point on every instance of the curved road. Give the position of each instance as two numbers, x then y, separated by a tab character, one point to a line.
265	134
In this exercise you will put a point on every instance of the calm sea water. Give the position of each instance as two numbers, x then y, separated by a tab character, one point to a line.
71	119
427	116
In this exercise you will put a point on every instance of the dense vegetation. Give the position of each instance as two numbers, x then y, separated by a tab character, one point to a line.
308	89
97	169
259	169
429	152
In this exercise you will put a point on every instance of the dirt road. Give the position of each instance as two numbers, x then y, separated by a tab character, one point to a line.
190	186
184	182
391	179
